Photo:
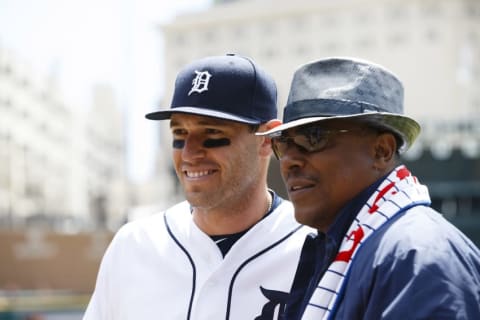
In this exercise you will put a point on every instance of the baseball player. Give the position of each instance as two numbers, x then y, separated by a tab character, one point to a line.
231	249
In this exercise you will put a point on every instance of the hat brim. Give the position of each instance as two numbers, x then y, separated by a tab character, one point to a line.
406	128
166	114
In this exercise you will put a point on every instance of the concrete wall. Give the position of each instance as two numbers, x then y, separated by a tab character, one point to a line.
50	261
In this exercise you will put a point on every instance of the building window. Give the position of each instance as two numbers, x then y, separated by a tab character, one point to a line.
179	39
301	50
397	13
473	36
209	36
432	35
330	47
44	96
431	9
397	38
267	28
329	21
24	83
241	51
476	104
239	32
7	69
298	23
270	53
24	113
363	18
180	63
473	10
365	42
7	102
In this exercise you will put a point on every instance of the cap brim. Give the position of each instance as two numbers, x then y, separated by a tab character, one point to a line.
407	128
166	114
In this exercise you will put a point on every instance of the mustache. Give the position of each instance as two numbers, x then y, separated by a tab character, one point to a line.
294	174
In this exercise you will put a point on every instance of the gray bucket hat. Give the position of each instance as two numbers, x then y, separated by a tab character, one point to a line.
347	88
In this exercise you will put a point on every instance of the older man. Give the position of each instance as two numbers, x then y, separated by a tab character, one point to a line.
381	252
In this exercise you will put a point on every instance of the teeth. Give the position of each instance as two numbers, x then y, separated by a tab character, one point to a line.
196	174
296	188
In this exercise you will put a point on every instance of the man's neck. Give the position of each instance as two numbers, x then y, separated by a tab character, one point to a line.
233	217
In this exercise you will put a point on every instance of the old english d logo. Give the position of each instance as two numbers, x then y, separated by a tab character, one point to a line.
200	82
275	305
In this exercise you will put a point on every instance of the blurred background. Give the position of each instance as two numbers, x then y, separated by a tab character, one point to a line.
78	159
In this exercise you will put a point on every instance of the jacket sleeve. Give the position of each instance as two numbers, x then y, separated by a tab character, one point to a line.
425	285
421	268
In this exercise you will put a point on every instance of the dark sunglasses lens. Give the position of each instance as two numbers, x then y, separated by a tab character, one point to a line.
306	143
312	139
307	139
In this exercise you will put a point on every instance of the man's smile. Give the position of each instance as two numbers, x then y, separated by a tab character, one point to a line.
198	174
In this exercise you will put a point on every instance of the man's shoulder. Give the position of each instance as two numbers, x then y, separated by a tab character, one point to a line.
417	256
423	226
423	233
153	223
283	218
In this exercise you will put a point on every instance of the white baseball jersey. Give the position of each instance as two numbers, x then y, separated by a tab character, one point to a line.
165	267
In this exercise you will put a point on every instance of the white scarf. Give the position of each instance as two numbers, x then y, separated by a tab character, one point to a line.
398	192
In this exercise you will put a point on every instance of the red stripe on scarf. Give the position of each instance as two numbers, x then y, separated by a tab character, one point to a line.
357	236
401	174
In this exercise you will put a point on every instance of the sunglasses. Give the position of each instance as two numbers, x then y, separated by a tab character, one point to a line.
307	139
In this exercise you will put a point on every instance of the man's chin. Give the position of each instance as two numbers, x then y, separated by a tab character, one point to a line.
309	217
198	199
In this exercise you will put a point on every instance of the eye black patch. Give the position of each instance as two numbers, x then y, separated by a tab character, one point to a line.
215	143
178	144
209	143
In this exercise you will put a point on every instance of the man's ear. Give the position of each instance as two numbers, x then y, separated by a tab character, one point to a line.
266	141
385	149
272	124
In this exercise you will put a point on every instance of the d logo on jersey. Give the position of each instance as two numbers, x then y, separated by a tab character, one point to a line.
200	82
273	308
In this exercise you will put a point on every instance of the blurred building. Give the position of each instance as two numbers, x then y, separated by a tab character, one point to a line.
61	168
432	45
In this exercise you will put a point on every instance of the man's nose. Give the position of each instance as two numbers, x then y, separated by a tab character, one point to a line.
292	158
193	148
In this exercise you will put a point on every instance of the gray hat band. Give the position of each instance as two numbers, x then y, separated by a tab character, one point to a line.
327	108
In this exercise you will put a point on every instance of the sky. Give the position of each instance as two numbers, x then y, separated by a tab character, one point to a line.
88	42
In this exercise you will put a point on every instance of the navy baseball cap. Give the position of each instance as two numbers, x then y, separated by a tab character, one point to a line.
229	87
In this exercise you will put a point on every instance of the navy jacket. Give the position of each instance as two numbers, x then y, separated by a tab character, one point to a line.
417	266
